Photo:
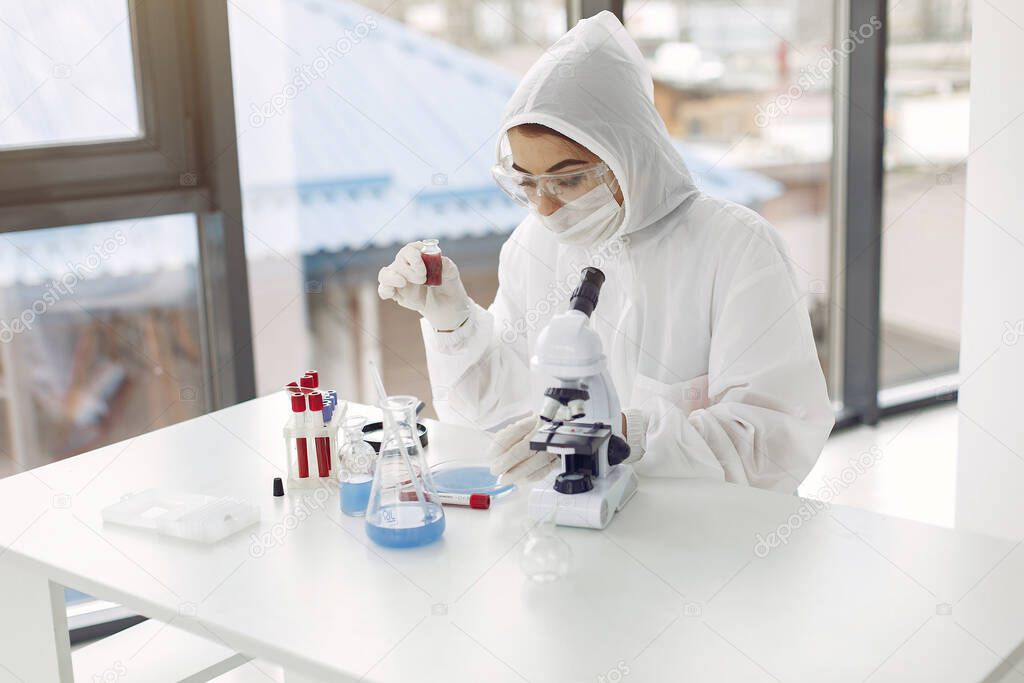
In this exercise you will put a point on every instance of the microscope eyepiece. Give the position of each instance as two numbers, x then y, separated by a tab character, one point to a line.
584	297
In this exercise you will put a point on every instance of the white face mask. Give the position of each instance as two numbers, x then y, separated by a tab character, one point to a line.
588	219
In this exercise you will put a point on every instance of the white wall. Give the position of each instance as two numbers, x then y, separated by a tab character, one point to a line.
990	472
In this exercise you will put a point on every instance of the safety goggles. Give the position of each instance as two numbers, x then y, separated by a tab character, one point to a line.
528	189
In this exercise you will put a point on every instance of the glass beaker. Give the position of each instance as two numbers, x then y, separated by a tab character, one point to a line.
355	474
544	557
404	509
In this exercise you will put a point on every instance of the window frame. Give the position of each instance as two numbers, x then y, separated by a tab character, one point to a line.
858	228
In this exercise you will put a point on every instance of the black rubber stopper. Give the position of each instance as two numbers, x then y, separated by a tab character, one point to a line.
278	487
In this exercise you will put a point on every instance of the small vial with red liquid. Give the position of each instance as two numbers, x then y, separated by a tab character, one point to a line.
431	255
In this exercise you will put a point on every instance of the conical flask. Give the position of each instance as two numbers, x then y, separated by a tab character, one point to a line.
404	509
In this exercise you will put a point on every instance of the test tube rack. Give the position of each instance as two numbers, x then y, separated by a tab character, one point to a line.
311	433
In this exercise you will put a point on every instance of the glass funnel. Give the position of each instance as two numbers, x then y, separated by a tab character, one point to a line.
404	509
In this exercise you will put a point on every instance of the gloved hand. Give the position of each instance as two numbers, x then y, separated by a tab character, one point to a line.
445	306
512	458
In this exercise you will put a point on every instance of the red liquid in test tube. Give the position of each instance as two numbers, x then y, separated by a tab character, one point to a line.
323	443
431	255
298	410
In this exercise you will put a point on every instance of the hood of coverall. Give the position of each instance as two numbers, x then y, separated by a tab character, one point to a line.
593	86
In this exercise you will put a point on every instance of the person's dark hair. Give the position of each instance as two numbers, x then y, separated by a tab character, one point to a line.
536	130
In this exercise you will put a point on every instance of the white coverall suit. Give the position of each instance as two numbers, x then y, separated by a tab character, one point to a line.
708	341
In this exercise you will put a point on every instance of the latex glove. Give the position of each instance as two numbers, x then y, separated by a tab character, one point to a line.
512	458
445	306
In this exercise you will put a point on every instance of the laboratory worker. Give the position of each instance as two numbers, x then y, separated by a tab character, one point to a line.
707	337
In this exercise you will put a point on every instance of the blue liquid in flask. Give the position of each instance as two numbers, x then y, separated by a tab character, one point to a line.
406	525
355	495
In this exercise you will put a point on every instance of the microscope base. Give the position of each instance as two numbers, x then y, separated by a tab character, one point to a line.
593	509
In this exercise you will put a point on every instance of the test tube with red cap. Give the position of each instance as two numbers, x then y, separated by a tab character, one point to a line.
322	440
477	501
298	423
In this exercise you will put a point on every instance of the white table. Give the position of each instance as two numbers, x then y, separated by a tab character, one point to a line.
675	589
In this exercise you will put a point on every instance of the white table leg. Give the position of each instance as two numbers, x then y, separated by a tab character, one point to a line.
34	644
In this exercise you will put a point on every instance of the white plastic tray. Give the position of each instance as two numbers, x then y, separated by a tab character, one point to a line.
191	516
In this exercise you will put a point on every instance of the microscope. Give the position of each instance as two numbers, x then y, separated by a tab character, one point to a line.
582	422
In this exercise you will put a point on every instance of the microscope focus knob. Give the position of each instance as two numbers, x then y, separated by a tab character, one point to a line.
573	482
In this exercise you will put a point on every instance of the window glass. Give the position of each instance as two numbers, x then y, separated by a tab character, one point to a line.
99	336
62	57
927	99
363	127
